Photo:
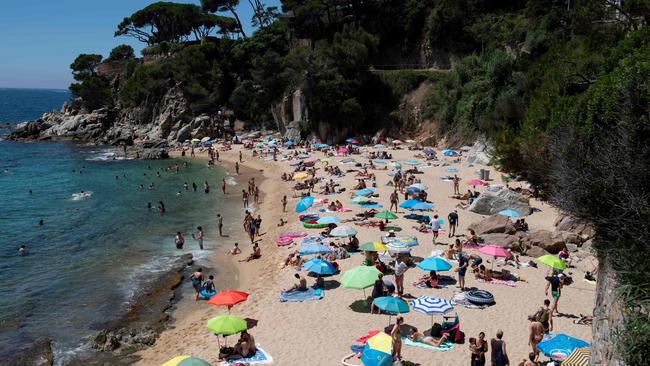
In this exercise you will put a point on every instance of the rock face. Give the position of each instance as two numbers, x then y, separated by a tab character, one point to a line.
608	318
289	113
493	224
39	353
489	203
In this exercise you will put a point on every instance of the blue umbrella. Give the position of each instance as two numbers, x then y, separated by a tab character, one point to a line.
422	206
412	162
435	264
370	205
448	152
326	220
314	249
510	213
452	170
432	306
364	192
289	143
319	266
320	146
373	357
412	190
304	204
391	304
560	345
379	161
409	203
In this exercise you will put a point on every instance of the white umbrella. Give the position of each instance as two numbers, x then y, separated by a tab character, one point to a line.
343	231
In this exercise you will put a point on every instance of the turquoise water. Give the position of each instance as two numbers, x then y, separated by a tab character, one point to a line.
84	264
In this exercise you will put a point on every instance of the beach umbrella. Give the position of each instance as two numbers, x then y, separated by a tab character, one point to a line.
379	161
432	306
226	325
510	213
326	220
373	247
397	164
391	305
360	278
422	206
397	142
342	150
419	186
559	346
319	266
314	248
378	350
411	190
364	192
409	203
228	298
435	264
205	139
476	182
343	231
398	247
361	199
304	204
579	357
494	251
186	361
552	261
289	143
300	176
412	162
448	152
379	146
386	215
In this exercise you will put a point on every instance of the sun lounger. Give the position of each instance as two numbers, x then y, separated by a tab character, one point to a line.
444	347
309	294
260	357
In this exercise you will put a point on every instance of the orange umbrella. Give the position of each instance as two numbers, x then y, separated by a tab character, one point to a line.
228	298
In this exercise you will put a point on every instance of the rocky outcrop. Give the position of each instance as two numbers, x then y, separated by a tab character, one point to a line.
493	224
126	340
490	203
569	224
39	353
608	318
289	113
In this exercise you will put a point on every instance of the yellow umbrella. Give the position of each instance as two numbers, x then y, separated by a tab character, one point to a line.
186	361
373	247
300	176
381	342
579	357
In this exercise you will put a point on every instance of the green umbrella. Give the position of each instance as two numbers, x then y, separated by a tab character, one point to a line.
386	215
360	278
552	261
373	247
226	325
195	140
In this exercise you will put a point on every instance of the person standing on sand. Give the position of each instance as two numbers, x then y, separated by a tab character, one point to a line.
462	268
400	269
435	228
479	349
453	222
241	157
256	195
223	185
220	224
499	356
192	152
199	236
237	168
456	181
396	336
555	282
197	280
284	203
252	230
394	200
179	240
535	336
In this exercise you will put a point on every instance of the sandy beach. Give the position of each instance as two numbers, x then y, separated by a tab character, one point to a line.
321	332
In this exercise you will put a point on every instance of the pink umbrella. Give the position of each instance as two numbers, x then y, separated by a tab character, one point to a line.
476	182
494	251
342	150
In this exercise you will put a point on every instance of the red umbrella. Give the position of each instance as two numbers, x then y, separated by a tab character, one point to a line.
476	182
228	298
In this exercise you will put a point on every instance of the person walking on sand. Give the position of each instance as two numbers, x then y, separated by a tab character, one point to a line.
394	200
435	228
244	196
400	269
220	224
453	222
223	185
456	181
237	168
216	155
535	336
199	236
241	157
462	268
179	240
284	203
197	280
479	348
499	356
252	230
396	336
555	282
256	195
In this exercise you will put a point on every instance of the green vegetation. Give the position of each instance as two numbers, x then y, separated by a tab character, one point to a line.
93	89
121	52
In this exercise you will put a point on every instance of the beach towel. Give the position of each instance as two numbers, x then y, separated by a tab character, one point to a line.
444	347
592	282
499	282
260	357
293	234
460	300
424	286
310	294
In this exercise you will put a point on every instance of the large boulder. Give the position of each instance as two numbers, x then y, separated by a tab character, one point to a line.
549	241
576	226
535	252
493	224
507	241
184	133
490	203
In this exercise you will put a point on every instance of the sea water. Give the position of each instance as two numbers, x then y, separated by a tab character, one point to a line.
92	252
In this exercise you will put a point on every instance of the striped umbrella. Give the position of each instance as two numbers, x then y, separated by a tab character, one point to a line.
432	306
343	231
579	357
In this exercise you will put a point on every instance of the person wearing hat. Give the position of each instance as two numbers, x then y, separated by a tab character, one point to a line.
555	282
391	234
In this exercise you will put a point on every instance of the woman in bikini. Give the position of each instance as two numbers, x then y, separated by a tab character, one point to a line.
416	336
396	335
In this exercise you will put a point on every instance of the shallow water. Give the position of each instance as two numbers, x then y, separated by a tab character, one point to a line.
84	264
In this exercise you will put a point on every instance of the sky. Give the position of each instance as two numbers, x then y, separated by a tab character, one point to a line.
39	39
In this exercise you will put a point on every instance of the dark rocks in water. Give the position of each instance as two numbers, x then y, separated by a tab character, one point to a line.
124	340
154	154
39	353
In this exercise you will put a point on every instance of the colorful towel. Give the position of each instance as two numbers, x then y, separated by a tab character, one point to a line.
260	357
499	282
310	294
444	347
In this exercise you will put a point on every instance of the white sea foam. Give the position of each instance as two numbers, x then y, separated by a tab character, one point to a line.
81	196
231	181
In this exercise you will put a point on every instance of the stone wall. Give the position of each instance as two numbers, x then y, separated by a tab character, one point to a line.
608	318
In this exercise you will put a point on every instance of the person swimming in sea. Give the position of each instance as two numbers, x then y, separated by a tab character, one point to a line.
22	250
41	222
161	207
